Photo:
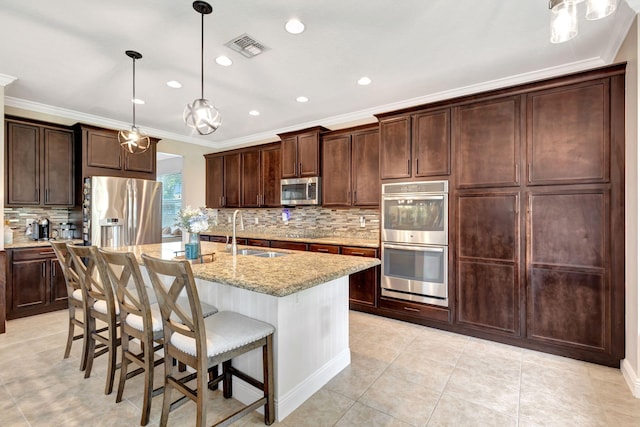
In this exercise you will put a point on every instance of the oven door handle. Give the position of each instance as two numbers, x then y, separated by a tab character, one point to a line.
413	197
413	248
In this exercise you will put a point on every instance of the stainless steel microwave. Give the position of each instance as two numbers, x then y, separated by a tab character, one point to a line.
300	191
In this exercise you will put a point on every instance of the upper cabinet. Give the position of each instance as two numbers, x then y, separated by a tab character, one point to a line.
487	140
101	154
350	168
243	178
568	137
416	145
39	164
301	152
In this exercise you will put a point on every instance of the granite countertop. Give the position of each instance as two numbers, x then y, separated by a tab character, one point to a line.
362	242
279	276
34	244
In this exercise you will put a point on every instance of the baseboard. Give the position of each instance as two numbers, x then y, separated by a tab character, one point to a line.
303	391
631	377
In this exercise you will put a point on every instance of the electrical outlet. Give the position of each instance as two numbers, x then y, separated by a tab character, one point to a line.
255	221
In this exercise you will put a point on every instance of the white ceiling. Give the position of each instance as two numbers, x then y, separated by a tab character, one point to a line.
68	58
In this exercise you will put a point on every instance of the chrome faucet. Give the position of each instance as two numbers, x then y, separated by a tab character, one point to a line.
234	244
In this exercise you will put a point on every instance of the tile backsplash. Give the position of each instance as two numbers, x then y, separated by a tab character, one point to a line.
17	218
307	221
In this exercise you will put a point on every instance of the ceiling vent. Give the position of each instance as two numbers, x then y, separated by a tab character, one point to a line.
246	45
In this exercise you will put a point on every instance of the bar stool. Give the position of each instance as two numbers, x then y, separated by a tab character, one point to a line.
74	299
138	319
202	344
99	304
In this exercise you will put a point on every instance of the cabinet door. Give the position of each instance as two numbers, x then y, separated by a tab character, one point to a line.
430	142
29	285
336	171
568	134
365	168
232	180
23	164
569	296
58	284
289	156
488	143
250	178
363	285
271	170
214	182
487	262
395	148
58	167
309	154
142	162
103	149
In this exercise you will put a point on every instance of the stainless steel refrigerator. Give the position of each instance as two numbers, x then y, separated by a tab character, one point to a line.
121	211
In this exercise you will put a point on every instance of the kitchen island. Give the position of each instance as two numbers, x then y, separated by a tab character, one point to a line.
303	294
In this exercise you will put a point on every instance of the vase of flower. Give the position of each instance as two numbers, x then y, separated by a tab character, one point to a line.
194	222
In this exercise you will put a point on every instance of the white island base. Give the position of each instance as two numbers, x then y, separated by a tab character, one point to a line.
311	342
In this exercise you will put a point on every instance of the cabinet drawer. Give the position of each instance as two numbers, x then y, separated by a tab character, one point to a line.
31	254
258	242
417	310
296	246
367	252
330	249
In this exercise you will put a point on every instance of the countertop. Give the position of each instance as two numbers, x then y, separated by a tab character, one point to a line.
300	237
279	276
34	244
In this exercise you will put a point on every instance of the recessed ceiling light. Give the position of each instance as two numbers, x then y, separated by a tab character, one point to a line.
302	99
224	61
254	113
294	26
363	81
137	101
174	84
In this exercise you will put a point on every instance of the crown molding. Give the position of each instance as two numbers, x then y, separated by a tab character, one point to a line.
6	80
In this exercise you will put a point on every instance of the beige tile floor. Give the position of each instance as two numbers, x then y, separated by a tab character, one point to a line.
400	375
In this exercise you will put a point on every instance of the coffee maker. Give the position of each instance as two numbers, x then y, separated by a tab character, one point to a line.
40	228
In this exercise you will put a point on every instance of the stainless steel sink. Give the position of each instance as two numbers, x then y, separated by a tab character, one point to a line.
260	253
270	254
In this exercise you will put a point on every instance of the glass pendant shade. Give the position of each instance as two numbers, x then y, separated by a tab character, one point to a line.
564	20
202	116
598	9
134	141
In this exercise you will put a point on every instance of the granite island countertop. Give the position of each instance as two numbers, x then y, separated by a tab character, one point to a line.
363	242
279	276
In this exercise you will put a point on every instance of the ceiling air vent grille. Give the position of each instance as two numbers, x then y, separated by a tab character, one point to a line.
246	45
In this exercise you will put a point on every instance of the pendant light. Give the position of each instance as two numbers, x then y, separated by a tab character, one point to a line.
132	140
201	114
564	16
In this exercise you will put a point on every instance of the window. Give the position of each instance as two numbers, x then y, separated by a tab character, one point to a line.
171	197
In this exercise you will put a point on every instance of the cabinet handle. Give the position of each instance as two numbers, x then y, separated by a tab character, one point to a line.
44	267
529	172
300	168
258	199
516	208
417	165
45	253
355	196
517	180
323	250
408	166
411	309
53	269
357	253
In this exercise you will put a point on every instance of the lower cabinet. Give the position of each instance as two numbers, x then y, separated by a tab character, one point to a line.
363	286
35	282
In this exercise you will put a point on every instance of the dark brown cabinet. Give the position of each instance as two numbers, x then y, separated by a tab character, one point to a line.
39	165
350	168
301	152
35	282
243	178
568	141
416	145
487	263
487	137
261	177
102	154
363	285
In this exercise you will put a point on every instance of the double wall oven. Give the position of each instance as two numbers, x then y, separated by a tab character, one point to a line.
415	241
